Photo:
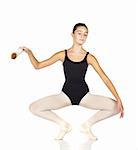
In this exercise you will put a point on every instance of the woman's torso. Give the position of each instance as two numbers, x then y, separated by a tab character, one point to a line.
75	70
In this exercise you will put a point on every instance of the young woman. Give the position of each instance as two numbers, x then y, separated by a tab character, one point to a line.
75	90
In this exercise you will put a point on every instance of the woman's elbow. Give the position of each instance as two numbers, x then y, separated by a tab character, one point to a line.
37	66
40	65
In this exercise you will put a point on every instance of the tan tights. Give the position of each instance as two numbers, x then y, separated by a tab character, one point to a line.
44	106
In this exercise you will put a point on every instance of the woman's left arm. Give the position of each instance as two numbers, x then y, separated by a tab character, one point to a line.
95	64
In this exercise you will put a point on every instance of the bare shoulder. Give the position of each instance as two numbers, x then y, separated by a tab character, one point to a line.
91	59
60	55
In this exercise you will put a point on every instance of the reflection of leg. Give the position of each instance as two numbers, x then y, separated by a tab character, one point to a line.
107	107
86	145
43	107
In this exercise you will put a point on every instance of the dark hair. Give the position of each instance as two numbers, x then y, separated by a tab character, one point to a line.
78	25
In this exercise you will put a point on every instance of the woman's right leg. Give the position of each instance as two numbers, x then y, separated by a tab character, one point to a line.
43	107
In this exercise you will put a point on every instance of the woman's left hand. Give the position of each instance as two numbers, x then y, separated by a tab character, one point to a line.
121	108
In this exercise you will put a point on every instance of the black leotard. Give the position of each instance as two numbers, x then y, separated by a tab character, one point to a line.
75	86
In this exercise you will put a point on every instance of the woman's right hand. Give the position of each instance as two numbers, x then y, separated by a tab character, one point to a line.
27	50
33	60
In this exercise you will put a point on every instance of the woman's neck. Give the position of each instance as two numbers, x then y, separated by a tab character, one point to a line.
76	49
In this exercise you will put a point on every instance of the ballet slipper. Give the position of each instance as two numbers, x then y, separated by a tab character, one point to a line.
63	131
85	128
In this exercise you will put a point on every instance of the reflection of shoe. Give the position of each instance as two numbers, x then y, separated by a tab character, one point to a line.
86	130
64	145
63	131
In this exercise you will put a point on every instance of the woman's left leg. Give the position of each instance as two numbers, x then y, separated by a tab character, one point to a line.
107	107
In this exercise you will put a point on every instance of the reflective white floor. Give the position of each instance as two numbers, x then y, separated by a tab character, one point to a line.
64	145
26	131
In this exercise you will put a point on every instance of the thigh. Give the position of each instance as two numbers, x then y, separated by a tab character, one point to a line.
98	102
54	101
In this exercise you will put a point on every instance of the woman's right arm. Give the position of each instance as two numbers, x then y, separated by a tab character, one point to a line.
33	60
38	65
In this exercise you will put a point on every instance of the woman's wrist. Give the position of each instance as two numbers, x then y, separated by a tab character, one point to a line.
118	99
29	51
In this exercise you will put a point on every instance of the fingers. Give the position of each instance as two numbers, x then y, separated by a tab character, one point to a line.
121	110
25	49
122	114
22	47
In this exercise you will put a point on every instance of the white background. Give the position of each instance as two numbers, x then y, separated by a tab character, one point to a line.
45	26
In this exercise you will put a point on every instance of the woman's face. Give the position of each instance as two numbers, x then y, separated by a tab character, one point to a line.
80	35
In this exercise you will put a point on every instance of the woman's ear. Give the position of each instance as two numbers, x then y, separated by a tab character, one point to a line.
71	34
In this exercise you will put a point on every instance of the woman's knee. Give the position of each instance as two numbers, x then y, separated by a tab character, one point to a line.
33	107
114	107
